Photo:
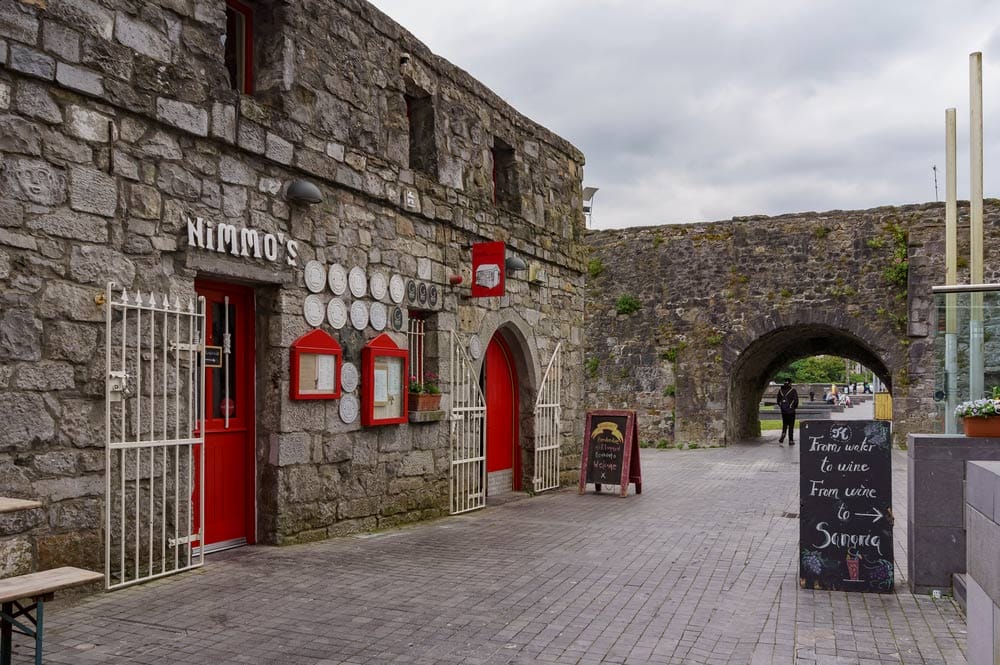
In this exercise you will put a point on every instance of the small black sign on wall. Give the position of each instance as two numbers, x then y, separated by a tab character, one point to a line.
845	492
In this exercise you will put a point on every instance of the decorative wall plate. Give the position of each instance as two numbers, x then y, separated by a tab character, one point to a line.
349	408
359	314
349	377
357	281
432	295
475	348
378	285
315	275
337	279
397	288
336	313
378	316
397	318
422	293
411	291
314	309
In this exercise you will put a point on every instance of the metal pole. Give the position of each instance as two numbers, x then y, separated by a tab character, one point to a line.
951	274
976	223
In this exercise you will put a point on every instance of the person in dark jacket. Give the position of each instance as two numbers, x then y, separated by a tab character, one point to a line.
788	402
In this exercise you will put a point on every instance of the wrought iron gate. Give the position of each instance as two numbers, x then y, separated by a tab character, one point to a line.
467	484
548	425
154	398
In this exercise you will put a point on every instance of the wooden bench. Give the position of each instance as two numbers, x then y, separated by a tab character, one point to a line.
9	505
36	587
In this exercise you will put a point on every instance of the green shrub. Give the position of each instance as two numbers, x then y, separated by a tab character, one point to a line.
594	268
590	366
627	304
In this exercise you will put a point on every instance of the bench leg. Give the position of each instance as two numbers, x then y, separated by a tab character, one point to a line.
6	632
38	631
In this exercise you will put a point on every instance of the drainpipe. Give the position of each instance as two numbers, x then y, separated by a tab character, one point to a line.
976	224
951	275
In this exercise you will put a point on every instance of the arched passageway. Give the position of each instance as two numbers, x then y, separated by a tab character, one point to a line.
768	354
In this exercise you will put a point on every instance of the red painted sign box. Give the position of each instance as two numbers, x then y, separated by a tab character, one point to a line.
315	365
488	269
611	451
384	382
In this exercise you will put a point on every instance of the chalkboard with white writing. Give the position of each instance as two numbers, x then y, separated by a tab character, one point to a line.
845	517
611	451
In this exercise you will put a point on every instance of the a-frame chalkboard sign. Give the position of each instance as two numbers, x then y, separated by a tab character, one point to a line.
845	493
611	451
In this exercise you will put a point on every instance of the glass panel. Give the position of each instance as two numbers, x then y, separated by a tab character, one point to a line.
223	395
966	350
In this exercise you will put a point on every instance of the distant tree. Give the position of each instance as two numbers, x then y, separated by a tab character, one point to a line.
817	369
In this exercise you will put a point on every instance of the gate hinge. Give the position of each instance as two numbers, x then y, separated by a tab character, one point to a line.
183	346
174	542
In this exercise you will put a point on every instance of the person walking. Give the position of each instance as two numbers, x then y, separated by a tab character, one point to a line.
788	402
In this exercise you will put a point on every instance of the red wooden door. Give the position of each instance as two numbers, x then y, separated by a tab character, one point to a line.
229	415
500	381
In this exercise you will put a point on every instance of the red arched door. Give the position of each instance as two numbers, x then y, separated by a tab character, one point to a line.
229	415
503	461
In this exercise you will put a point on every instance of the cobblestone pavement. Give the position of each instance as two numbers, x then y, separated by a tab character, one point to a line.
700	568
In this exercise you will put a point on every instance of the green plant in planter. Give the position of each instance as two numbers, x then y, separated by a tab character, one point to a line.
429	385
980	408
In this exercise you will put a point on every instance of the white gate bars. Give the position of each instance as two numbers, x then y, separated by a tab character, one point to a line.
467	484
548	425
154	398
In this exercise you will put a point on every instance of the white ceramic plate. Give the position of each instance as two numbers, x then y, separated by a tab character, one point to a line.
397	288
336	313
475	348
349	408
378	285
378	316
359	314
337	278
349	377
357	281
315	275
314	310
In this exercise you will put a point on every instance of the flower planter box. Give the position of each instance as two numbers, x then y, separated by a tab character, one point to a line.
989	426
424	401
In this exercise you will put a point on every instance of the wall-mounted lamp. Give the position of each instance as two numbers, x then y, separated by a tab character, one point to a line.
303	191
514	263
588	203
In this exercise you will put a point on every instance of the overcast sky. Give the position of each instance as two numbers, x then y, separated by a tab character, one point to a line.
704	110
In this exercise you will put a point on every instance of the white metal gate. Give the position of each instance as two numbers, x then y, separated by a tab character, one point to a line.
548	425
467	485
155	403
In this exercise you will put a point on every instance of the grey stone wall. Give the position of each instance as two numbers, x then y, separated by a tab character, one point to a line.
117	123
722	306
982	508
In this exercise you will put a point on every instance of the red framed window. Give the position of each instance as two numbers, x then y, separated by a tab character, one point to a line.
239	45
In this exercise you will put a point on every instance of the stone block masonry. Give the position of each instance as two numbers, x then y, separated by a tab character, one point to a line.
693	325
119	124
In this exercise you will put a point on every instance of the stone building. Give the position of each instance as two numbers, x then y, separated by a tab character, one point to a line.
176	149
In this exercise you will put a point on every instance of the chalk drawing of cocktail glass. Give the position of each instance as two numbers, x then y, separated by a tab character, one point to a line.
853	564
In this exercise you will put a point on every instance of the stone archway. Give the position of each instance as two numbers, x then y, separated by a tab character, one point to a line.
769	353
524	355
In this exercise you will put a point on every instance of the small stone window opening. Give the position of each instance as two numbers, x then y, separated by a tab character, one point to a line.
239	45
422	336
505	194
420	123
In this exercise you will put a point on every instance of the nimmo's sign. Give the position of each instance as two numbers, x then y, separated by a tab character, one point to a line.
240	241
845	491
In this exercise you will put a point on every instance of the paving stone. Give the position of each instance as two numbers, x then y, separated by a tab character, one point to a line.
700	568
